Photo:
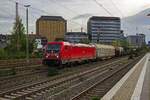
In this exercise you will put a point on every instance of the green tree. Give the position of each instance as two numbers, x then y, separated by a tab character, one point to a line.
86	41
17	46
116	43
18	39
122	43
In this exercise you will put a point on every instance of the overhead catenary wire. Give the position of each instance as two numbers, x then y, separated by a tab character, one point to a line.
70	10
101	6
45	12
128	22
30	7
22	7
117	8
65	7
13	18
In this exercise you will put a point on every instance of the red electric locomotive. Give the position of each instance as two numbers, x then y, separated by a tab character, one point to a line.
65	53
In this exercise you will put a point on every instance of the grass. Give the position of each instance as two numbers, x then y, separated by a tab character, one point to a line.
7	72
95	98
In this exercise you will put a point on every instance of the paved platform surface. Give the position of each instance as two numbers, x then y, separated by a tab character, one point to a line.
135	85
145	95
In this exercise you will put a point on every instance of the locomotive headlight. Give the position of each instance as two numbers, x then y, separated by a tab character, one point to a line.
57	56
47	55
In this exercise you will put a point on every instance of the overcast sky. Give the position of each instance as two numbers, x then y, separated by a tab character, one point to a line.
76	12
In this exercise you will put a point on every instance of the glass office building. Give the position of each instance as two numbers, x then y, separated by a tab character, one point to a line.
104	29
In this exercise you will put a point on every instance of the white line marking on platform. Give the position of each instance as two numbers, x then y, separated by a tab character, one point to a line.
109	95
138	89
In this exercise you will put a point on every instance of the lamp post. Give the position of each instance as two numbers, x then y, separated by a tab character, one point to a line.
27	41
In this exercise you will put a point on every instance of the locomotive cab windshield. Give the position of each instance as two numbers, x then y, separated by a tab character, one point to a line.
55	48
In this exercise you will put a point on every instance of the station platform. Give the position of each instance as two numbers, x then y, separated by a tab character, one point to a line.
135	85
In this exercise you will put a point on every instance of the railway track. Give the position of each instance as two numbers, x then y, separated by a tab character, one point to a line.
4	64
105	83
19	80
18	66
18	60
41	90
9	73
11	82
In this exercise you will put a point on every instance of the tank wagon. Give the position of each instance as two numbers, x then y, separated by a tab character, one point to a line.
66	53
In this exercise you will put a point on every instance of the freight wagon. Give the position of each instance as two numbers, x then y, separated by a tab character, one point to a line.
104	51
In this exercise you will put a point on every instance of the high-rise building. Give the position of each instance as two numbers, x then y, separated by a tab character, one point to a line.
136	41
51	27
104	29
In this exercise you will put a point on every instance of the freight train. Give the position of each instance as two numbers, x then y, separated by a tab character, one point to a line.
60	53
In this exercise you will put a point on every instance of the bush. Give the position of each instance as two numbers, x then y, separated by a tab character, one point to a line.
3	54
95	98
8	54
37	54
52	71
18	55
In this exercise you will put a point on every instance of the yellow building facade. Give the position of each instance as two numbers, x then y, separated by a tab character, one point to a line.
51	27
